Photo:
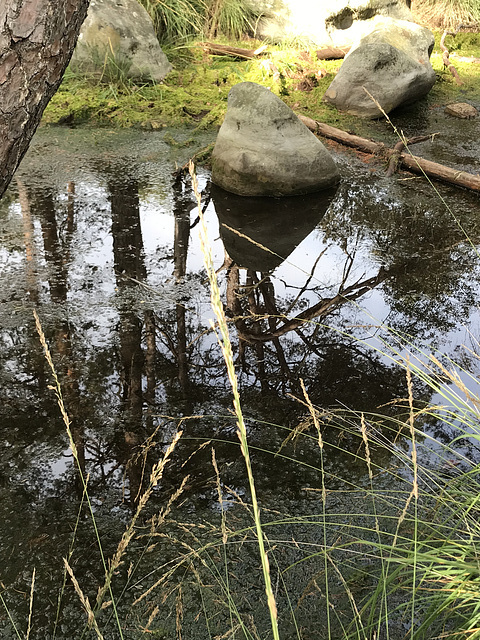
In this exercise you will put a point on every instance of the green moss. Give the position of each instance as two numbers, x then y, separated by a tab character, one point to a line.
195	94
465	44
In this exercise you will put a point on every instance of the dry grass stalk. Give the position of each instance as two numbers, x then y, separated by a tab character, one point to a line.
179	613
56	388
411	424
155	476
313	413
226	347
30	610
151	618
84	600
363	428
455	379
220	496
350	596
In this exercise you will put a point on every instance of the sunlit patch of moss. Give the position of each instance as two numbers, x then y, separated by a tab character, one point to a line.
195	93
446	88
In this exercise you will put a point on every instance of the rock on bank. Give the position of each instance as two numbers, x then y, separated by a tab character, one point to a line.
392	63
120	33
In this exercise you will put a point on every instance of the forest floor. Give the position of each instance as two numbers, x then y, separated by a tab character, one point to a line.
194	94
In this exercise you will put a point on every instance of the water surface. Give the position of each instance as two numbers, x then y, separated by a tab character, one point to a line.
100	237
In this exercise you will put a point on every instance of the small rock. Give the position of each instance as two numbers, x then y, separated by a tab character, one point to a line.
461	110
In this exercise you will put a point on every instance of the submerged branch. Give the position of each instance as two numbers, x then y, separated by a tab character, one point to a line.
321	309
416	164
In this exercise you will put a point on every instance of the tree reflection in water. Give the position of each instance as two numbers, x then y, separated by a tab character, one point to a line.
125	309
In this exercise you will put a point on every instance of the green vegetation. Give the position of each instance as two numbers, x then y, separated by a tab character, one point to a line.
195	93
180	20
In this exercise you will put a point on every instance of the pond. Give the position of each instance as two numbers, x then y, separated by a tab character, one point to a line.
324	296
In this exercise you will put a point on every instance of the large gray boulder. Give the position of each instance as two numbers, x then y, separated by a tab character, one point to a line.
392	63
262	148
336	23
120	33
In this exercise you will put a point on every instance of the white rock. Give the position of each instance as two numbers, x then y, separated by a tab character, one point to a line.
392	64
120	32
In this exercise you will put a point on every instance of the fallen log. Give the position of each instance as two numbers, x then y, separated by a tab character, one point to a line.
234	52
332	53
415	164
348	139
440	172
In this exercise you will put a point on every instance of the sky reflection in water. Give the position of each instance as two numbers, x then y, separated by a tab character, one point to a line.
101	238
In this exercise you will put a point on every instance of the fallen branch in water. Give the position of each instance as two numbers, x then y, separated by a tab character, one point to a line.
416	164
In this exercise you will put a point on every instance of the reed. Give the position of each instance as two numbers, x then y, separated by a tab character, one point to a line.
221	330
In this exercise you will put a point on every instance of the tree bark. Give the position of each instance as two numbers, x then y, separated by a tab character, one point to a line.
37	39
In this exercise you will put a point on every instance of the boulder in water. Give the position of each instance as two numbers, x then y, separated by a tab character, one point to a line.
263	149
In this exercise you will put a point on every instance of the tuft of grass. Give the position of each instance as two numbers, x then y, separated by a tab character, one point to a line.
178	21
447	14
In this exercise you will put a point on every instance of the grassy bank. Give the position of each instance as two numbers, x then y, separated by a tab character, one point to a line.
195	93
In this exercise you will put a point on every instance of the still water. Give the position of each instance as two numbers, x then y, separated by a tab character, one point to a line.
99	235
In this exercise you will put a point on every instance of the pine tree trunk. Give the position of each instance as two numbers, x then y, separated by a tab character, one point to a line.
37	39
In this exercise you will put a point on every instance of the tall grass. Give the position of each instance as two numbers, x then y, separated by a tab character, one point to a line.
176	21
221	330
447	14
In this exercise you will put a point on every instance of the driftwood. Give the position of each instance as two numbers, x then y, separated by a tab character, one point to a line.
415	164
234	52
399	147
332	53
